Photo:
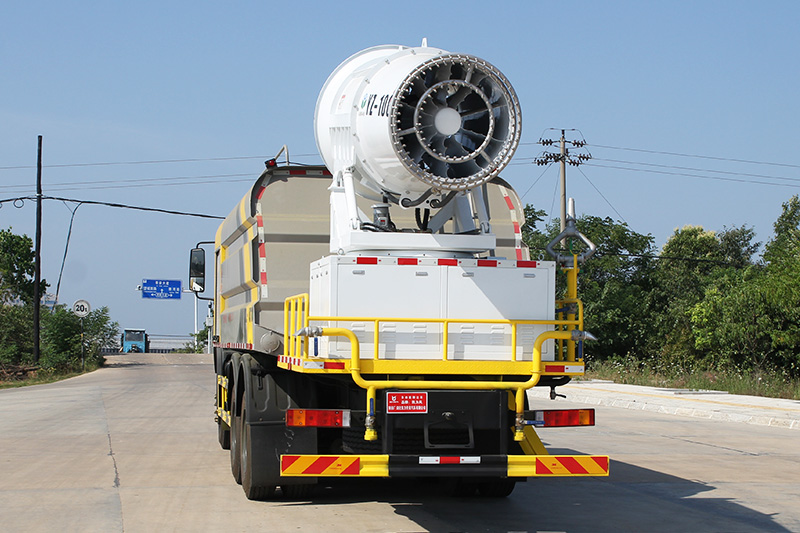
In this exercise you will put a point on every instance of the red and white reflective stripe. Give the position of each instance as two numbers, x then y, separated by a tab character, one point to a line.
515	221
432	261
235	345
313	365
564	369
262	248
291	361
450	460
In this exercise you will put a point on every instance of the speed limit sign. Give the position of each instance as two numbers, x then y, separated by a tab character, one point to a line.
81	308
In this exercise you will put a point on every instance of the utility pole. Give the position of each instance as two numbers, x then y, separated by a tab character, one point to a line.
563	157
563	177
37	261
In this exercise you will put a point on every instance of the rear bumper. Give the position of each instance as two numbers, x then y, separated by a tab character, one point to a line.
444	466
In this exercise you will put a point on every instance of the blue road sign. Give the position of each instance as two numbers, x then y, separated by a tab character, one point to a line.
162	289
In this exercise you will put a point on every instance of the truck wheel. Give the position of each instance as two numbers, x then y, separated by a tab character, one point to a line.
297	492
224	436
497	488
251	490
236	455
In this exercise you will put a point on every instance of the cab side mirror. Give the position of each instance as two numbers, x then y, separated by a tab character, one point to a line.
197	270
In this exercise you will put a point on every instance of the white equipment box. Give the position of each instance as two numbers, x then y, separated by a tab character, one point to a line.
364	288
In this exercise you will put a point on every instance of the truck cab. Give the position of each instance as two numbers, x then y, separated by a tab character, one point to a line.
134	341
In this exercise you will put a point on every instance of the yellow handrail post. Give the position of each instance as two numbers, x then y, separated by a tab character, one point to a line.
305	321
445	338
286	313
560	343
513	341
297	340
376	339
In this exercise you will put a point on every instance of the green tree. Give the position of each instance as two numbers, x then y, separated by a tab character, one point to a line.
16	334
682	274
16	298
16	267
200	341
60	328
738	246
613	284
785	243
751	323
61	337
750	319
536	238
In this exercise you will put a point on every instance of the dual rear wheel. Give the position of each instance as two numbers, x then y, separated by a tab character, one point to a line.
243	446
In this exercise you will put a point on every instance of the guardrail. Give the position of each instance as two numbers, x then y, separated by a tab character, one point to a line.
298	328
296	317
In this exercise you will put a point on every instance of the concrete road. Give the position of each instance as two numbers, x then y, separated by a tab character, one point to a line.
132	447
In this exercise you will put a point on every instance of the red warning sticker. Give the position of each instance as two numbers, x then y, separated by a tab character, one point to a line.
406	402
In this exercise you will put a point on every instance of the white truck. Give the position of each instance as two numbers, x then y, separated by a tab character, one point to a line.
380	316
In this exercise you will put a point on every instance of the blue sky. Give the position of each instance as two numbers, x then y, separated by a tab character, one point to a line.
108	82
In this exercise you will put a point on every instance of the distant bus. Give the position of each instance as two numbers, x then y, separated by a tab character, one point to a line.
134	341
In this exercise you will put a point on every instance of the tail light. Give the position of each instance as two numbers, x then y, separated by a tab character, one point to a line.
562	418
320	418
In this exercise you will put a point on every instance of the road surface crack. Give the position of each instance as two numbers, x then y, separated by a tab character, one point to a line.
717	446
114	461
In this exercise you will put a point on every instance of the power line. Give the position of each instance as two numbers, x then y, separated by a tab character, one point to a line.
602	195
140	182
66	247
677	154
139	208
766	176
151	162
535	182
111	204
718	178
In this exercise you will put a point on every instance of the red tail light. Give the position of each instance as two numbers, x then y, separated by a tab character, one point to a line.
320	418
563	418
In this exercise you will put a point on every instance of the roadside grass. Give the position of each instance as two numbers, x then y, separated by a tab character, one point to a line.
38	379
12	377
754	383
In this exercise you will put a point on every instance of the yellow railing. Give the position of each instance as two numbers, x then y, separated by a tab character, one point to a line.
298	320
296	316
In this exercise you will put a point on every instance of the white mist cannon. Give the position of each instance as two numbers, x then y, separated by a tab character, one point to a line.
409	125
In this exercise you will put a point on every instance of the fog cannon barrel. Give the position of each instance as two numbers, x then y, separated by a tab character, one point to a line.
413	120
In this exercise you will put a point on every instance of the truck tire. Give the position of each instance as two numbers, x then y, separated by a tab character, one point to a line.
236	455
252	490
